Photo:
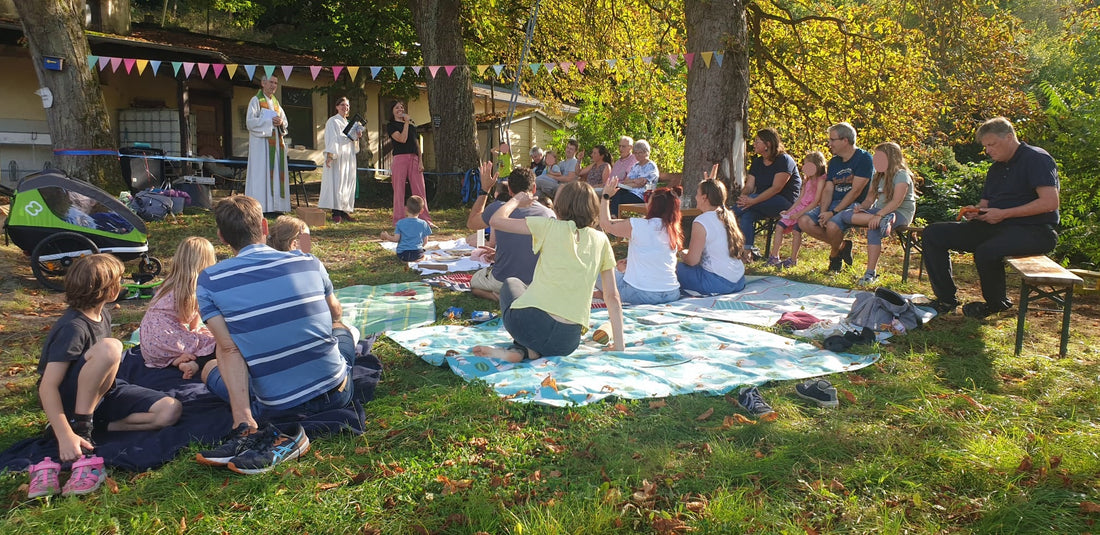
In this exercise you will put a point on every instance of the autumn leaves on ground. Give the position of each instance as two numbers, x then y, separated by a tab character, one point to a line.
947	433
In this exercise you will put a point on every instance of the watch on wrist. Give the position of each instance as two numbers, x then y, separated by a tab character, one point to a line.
483	192
606	196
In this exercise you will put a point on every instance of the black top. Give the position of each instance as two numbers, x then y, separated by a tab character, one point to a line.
764	176
538	168
72	335
409	146
1013	183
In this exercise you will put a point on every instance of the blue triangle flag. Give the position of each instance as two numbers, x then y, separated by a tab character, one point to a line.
92	60
535	68
718	56
399	71
374	72
155	64
176	67
269	69
250	70
498	68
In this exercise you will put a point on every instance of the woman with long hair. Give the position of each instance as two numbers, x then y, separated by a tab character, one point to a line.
891	201
772	185
548	317
649	274
171	332
712	263
408	162
596	173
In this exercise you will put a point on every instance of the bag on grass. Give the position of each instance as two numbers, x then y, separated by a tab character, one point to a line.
884	310
151	206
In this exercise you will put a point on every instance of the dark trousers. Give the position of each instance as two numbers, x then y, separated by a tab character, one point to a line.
747	219
623	197
990	245
533	328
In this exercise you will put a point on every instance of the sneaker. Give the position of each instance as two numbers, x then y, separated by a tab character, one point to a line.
846	251
942	307
237	442
788	263
835	265
272	449
868	278
774	261
88	474
818	391
750	398
886	224
44	479
980	310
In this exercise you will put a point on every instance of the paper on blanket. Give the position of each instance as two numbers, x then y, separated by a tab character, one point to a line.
374	309
695	355
450	255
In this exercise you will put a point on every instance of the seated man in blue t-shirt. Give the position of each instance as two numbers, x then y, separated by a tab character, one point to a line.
850	171
1016	216
281	347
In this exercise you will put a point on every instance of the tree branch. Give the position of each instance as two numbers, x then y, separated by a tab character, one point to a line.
791	20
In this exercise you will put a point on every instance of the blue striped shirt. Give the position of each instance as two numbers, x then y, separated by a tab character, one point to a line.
274	304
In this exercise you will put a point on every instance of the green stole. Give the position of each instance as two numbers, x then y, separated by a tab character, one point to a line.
274	143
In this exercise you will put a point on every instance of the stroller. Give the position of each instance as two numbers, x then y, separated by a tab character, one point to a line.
56	220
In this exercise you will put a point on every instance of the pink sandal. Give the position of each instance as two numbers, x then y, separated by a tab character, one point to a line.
88	475
44	481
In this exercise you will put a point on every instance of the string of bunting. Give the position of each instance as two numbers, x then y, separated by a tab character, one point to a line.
189	68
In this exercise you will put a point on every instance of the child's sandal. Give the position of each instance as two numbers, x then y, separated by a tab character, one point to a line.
44	479
88	474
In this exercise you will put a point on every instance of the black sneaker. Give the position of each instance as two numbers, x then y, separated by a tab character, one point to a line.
846	251
835	264
818	391
238	441
980	310
942	307
271	449
750	398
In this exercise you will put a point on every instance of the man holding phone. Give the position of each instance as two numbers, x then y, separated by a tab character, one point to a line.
1016	216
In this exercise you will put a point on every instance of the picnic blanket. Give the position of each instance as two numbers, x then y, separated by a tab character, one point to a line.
387	307
206	419
443	257
693	354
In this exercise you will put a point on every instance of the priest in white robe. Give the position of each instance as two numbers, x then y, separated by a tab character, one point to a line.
268	178
338	179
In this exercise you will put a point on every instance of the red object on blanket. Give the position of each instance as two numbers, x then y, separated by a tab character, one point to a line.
797	320
403	293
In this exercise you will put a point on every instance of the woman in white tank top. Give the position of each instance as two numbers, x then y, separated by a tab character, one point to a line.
712	262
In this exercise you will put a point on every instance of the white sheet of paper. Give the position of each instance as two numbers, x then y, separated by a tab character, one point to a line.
267	115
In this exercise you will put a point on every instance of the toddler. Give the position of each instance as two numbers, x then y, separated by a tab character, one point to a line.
411	233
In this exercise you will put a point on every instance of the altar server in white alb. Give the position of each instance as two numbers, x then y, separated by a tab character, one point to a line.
338	178
268	179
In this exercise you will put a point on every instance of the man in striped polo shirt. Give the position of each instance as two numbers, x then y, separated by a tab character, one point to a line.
280	344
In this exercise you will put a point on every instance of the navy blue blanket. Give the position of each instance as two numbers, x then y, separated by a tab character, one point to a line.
205	419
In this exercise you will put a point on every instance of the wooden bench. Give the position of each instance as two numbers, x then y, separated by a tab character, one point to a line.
910	238
1036	271
638	209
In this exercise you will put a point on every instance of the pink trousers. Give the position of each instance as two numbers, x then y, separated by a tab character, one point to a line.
407	166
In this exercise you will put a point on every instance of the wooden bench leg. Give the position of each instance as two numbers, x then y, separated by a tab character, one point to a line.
1021	316
1065	321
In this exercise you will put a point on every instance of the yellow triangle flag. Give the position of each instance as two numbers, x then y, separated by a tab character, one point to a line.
353	72
707	57
231	68
141	65
481	69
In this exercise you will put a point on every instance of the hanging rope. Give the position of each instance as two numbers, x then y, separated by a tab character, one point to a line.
513	100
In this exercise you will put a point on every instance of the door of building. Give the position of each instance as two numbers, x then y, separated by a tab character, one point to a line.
210	131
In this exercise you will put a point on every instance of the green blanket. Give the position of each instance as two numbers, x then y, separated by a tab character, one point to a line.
388	307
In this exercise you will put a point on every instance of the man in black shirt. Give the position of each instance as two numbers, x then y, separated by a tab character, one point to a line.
538	166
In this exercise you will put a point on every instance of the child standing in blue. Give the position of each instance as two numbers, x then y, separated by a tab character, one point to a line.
78	389
410	233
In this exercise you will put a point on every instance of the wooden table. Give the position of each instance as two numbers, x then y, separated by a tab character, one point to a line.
639	210
1036	271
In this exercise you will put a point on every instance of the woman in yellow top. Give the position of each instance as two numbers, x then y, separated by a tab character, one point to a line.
548	317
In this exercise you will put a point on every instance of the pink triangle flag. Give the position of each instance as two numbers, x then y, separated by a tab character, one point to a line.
103	62
115	62
314	70
188	66
449	69
689	57
647	60
433	69
416	69
287	69
336	70
218	68
581	65
673	59
565	66
129	62
549	67
203	69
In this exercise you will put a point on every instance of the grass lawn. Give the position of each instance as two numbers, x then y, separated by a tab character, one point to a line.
949	432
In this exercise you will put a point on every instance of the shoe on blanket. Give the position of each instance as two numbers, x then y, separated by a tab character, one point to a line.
88	474
239	440
752	400
818	391
271	449
44	479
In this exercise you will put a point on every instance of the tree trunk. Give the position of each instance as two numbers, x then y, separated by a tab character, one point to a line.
78	117
717	97
450	98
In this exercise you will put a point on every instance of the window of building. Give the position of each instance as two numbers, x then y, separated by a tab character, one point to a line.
298	106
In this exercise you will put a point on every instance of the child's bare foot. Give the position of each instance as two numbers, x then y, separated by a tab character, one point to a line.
189	368
509	354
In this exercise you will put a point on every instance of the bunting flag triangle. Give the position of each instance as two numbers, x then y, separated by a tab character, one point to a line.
287	69
549	67
534	67
250	70
353	72
432	69
103	61
565	66
314	70
416	69
218	68
176	68
203	69
129	63
481	70
375	70
336	70
155	65
115	62
450	68
718	56
92	61
188	66
398	71
673	59
706	58
498	69
611	63
689	58
269	70
141	65
647	59
581	65
231	68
